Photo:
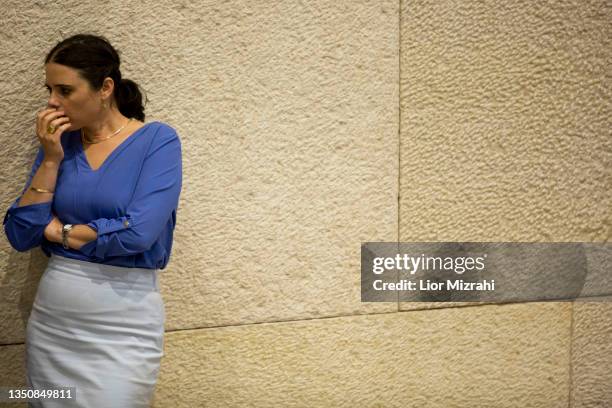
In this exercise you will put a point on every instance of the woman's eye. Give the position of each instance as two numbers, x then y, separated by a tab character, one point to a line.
63	91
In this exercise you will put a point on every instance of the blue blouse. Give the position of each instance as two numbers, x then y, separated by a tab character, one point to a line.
130	200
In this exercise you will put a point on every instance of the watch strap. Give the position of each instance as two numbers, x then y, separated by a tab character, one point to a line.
65	230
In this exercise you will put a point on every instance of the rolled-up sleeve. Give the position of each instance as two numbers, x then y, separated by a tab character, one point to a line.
25	226
154	203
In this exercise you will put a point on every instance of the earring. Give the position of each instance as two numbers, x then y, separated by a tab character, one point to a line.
103	104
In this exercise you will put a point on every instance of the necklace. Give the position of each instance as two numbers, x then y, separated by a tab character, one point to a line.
89	141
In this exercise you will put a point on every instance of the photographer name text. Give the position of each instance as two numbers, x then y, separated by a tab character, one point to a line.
428	285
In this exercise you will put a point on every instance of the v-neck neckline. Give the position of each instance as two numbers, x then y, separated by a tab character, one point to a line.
111	154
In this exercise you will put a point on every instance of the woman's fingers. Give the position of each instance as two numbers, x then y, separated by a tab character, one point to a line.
47	115
40	116
59	121
44	111
58	129
50	125
49	119
62	128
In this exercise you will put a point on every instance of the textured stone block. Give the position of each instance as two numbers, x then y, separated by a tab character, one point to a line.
19	275
12	371
505	121
501	356
591	360
290	131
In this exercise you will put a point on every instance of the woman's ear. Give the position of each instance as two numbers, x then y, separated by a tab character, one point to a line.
107	87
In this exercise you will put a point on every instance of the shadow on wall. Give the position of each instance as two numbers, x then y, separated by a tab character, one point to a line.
17	265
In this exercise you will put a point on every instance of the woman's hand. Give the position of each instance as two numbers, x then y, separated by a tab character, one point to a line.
51	142
53	230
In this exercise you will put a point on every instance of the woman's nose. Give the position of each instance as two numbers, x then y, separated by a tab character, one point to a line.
52	103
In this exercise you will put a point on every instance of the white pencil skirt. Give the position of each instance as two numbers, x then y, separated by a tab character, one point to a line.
97	328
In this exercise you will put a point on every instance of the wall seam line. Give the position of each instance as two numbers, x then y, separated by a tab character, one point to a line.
399	124
344	316
324	318
571	366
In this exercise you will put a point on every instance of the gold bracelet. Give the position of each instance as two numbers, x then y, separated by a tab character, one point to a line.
41	190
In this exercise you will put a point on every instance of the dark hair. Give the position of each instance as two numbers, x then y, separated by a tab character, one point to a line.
96	59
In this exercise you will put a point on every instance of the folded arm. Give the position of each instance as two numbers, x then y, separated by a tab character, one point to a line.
26	219
78	236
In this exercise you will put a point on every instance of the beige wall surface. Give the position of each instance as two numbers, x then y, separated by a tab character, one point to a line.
302	123
505	121
592	354
456	357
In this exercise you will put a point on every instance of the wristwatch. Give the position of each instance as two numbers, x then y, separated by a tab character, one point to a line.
65	230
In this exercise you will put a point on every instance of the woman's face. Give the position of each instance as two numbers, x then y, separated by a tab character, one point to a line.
69	92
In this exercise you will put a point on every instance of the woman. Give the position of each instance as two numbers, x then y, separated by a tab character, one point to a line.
101	201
